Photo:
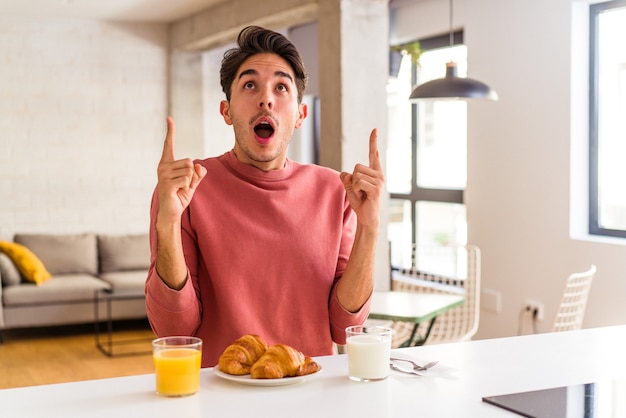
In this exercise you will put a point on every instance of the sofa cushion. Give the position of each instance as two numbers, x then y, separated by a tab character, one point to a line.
9	273
124	252
126	280
61	289
64	254
28	264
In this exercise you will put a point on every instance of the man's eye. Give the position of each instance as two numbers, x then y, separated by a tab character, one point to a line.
248	85
282	87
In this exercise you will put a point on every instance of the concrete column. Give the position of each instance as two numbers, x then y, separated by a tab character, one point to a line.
353	58
186	103
353	68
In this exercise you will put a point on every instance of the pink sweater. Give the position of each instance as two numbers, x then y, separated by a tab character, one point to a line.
273	245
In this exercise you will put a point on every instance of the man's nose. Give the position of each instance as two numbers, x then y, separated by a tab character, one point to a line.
266	100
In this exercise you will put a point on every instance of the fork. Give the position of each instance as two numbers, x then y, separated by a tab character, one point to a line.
400	369
415	365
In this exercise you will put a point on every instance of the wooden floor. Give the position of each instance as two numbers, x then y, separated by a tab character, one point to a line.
67	354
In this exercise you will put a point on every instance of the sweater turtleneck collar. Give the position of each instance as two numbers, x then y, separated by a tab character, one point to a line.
254	174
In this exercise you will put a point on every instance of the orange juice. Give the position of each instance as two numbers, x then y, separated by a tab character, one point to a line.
177	371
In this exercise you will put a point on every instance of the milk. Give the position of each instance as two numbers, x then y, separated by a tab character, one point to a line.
368	356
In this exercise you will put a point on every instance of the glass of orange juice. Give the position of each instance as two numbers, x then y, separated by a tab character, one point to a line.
177	365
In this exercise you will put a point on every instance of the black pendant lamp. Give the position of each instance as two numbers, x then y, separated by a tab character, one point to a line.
451	86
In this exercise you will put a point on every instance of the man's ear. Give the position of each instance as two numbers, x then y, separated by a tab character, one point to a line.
225	112
303	111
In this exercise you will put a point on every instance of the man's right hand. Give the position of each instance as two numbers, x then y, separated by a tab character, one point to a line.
177	180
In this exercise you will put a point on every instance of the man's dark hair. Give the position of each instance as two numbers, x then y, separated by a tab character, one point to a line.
254	40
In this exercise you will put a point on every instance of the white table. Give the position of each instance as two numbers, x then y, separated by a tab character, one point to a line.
412	307
454	388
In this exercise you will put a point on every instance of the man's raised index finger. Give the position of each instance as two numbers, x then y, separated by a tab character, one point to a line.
374	156
168	145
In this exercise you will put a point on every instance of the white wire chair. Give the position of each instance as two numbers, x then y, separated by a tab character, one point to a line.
573	304
458	324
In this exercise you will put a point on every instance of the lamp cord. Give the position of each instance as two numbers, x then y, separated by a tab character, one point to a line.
451	31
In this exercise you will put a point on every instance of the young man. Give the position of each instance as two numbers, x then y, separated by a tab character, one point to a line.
251	242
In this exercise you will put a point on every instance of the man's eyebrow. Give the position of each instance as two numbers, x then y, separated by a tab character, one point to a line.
284	74
252	71
248	72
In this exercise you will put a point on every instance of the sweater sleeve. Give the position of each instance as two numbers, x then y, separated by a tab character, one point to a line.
340	318
171	312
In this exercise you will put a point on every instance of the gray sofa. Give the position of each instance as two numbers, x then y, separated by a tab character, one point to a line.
80	264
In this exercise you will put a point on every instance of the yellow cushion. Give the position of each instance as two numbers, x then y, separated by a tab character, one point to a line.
30	267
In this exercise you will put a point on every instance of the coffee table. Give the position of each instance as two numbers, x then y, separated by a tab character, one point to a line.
109	296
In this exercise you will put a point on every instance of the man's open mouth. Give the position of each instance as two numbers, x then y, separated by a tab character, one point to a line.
263	129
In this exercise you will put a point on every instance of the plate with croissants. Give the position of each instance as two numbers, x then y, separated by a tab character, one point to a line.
250	361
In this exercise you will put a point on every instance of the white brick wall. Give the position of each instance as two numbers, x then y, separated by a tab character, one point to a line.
82	121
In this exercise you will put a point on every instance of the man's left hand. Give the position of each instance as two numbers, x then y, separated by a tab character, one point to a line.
364	186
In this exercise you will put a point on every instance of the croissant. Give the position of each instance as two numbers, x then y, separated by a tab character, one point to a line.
280	361
238	357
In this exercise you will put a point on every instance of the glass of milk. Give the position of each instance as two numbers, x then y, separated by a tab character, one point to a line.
369	349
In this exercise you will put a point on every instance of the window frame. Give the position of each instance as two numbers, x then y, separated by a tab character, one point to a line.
422	194
594	111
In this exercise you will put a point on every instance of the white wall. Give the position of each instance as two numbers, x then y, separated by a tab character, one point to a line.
82	117
520	157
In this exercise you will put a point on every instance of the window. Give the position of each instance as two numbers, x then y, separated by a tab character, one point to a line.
427	155
607	116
